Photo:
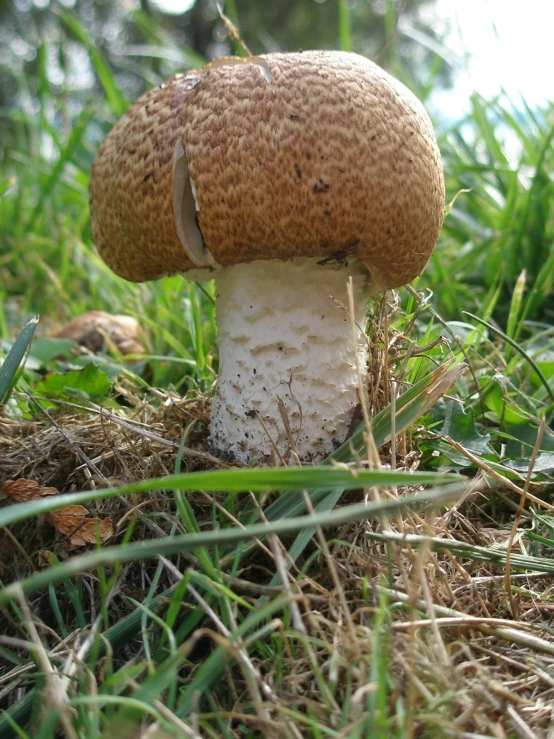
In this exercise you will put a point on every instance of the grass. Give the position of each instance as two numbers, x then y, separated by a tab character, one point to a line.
409	599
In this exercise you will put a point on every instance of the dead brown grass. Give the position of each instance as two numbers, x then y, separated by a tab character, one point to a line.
439	626
459	661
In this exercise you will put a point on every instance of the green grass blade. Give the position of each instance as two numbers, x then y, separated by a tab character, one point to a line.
515	306
410	406
6	185
518	349
345	26
116	99
296	479
490	555
541	291
487	130
16	355
65	156
523	217
305	537
167	546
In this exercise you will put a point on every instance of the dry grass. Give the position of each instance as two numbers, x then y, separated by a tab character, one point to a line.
418	642
463	668
74	448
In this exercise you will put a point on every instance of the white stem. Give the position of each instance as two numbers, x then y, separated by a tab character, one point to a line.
284	334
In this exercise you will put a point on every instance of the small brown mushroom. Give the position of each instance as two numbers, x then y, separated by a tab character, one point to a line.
280	176
95	329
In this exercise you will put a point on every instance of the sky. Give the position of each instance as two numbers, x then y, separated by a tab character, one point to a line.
498	44
505	43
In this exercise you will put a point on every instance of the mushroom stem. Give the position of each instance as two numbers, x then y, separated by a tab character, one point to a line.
284	334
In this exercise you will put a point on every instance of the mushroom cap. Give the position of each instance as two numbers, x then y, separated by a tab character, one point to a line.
92	328
313	154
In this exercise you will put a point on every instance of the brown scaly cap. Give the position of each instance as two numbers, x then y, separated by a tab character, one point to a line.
318	154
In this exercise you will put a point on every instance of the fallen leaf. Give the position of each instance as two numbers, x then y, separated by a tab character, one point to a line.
72	521
67	520
87	533
23	490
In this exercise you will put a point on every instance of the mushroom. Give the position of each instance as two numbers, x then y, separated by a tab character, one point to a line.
95	328
281	177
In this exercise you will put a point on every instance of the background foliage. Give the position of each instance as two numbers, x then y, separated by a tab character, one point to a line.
67	71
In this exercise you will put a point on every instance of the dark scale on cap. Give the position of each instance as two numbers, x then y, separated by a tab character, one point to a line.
378	166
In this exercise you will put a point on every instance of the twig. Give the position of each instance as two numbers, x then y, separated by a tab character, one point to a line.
55	691
232	30
497	476
528	641
536	449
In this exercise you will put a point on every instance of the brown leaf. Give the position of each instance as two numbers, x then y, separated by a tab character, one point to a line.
23	490
86	534
67	520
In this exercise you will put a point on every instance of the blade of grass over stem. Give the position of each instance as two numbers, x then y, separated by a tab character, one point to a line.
410	406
